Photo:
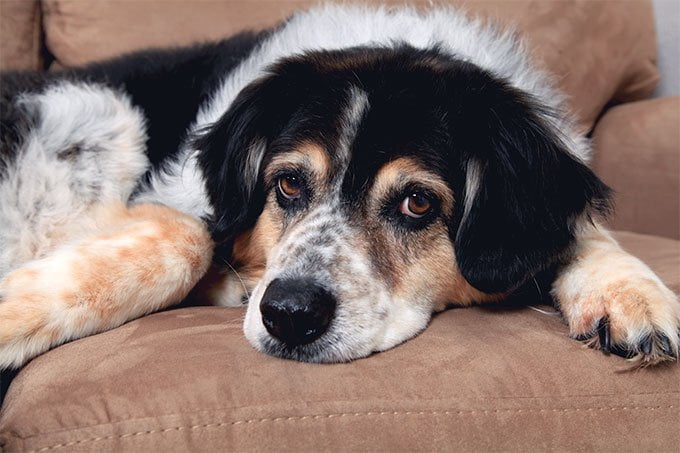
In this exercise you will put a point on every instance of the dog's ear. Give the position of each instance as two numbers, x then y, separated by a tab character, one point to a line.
230	154
523	196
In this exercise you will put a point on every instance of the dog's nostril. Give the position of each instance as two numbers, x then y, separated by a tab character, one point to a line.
293	326
296	311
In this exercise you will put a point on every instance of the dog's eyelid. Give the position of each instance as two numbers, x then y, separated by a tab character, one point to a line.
272	175
424	181
411	188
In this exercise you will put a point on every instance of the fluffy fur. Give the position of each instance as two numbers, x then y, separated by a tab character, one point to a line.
300	150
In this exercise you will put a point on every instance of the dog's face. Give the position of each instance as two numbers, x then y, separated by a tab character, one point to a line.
350	270
364	189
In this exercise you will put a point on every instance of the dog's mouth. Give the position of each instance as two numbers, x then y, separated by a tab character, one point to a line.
322	350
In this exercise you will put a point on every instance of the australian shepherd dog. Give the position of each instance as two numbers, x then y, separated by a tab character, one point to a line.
346	175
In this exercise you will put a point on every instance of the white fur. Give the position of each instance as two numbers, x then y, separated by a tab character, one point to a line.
180	185
255	157
45	187
358	105
473	181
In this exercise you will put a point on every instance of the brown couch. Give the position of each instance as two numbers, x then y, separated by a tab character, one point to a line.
477	379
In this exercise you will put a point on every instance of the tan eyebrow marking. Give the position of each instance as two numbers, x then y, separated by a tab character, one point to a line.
308	155
403	171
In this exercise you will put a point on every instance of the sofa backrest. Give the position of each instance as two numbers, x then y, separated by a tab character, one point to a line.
597	51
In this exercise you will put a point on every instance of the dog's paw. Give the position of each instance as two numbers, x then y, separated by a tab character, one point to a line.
149	259
24	318
635	318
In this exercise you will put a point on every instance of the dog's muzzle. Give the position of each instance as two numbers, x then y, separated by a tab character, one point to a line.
296	311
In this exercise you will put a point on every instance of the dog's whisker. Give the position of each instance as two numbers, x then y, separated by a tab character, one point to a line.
538	288
553	313
243	283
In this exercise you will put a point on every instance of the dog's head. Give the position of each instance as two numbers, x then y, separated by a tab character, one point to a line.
364	189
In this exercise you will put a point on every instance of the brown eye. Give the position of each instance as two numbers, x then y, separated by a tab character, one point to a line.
415	205
290	186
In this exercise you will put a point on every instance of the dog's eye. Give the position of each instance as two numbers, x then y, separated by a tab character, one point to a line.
415	205
290	186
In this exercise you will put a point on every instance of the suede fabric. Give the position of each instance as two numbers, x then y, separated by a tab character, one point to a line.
597	51
637	153
476	379
20	35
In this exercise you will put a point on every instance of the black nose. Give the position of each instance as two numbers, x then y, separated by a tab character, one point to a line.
296	311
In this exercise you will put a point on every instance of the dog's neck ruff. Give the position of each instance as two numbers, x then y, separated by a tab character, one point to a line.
180	183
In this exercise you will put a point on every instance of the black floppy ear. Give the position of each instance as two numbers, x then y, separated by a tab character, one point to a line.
523	197
230	153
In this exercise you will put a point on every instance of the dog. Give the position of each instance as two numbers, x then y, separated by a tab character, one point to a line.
346	174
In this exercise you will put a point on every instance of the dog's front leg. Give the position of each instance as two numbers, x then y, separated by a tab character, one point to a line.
135	261
616	302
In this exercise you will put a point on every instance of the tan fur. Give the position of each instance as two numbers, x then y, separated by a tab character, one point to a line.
425	267
129	262
309	156
251	249
404	170
227	284
428	266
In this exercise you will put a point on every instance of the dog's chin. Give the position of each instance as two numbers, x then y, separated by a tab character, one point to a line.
322	350
331	347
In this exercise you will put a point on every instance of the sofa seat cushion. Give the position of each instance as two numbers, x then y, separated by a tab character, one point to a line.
476	379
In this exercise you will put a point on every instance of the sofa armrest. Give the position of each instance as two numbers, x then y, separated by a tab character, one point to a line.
637	153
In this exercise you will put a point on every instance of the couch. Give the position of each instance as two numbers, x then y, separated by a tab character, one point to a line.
483	378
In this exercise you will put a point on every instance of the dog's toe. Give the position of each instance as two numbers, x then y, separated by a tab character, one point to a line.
630	323
649	350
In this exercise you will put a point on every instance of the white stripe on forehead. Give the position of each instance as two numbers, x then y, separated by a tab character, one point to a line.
357	105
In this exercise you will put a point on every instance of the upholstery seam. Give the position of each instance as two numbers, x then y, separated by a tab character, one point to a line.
350	414
231	408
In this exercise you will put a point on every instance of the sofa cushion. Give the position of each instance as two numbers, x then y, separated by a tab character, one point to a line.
20	35
597	50
637	153
476	379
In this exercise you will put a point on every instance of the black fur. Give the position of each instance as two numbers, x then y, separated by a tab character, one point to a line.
445	113
442	111
424	104
168	85
531	194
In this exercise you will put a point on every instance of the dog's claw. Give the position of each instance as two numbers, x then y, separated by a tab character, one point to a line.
665	344
646	345
604	335
584	336
622	351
